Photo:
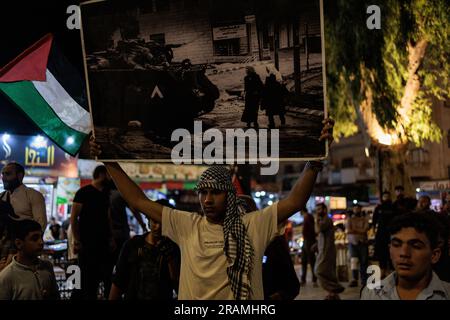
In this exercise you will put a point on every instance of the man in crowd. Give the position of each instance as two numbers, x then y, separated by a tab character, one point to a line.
91	229
119	218
414	249
148	267
326	259
27	202
309	239
383	215
27	277
424	205
221	249
22	202
357	226
403	203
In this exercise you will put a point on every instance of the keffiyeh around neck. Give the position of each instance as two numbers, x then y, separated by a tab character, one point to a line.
237	246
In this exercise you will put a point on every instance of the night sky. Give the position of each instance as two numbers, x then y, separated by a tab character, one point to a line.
21	24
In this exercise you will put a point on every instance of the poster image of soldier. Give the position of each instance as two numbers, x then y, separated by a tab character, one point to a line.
156	66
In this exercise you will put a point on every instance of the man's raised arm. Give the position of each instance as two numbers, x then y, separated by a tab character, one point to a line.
132	194
300	193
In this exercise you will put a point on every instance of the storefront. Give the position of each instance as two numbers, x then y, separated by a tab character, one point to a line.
47	168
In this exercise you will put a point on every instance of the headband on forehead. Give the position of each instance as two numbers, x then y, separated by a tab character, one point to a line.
216	177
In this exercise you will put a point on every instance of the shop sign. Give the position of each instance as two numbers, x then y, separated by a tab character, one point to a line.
39	155
230	32
148	172
440	185
338	203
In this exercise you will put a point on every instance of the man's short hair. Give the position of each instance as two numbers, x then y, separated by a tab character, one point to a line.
422	222
399	188
323	205
18	167
386	192
98	171
22	228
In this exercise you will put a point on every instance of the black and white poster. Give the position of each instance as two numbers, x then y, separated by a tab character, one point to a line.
200	81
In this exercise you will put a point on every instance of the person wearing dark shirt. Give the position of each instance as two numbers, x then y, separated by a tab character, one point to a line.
383	215
91	226
424	205
403	204
119	218
280	280
148	267
309	239
442	268
273	99
253	89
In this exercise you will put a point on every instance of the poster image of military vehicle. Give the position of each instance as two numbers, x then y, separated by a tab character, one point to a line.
160	65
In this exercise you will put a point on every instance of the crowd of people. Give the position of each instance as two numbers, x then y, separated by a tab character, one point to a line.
229	250
407	219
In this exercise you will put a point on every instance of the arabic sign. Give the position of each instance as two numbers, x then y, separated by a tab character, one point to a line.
338	203
440	185
39	155
230	32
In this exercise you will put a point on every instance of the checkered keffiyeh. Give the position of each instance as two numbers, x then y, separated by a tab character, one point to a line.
237	246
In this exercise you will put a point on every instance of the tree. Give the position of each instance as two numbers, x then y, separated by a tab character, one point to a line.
384	80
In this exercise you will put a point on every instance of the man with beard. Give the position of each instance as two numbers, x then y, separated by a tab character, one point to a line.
27	202
91	227
23	203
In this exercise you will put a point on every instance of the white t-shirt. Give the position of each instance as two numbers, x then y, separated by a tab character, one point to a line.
203	274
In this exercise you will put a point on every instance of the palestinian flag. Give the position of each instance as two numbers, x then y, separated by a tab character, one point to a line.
49	90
